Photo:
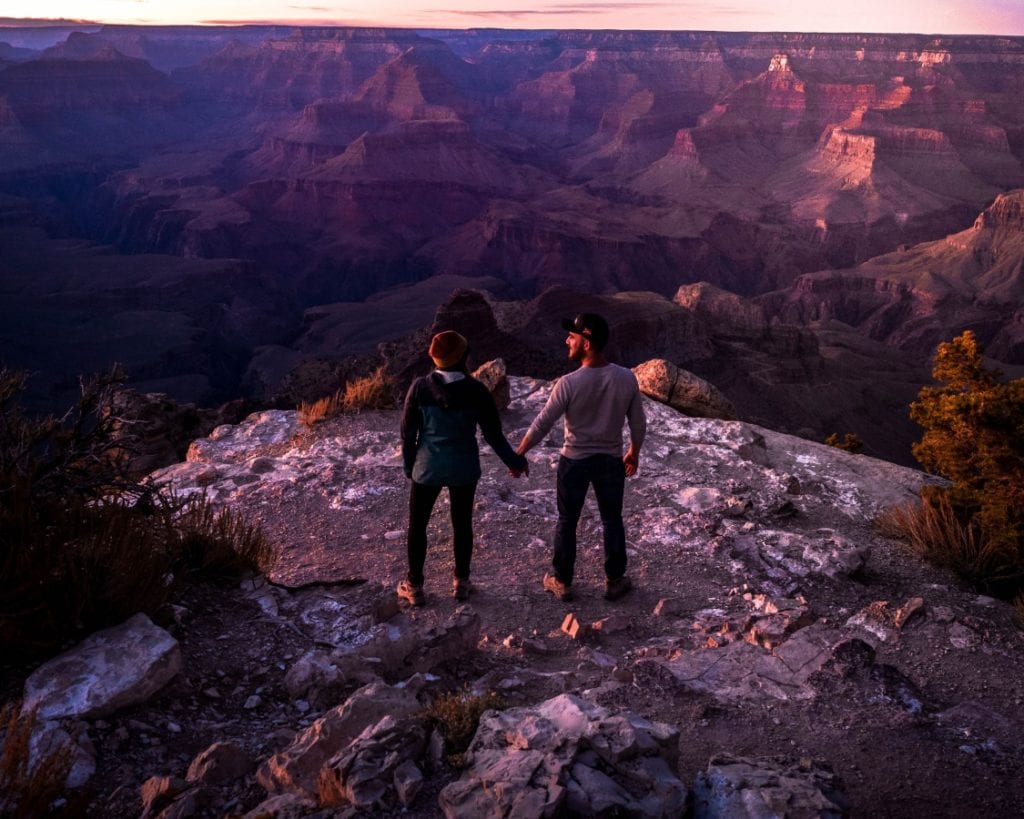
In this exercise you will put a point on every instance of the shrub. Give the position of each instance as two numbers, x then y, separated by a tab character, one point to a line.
216	542
973	425
374	391
936	532
850	443
82	548
456	715
312	413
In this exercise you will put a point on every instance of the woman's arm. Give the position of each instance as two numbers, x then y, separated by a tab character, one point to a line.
412	423
490	426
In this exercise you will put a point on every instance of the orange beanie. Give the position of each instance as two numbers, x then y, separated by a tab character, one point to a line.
447	348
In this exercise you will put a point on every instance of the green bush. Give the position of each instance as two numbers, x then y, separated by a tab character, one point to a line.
81	547
973	425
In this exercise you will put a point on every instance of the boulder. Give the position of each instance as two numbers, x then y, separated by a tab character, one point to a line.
780	554
110	670
568	756
232	444
364	774
737	788
408	781
494	376
403	649
295	769
193	802
152	430
682	390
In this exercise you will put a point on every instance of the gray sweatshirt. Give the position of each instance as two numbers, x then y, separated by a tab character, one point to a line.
595	401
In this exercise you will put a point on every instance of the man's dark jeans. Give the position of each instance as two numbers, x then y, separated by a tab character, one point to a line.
608	476
421	503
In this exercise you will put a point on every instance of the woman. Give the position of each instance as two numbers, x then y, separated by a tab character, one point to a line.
439	422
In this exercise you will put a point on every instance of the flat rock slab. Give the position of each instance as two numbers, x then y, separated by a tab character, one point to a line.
738	788
780	554
109	670
740	670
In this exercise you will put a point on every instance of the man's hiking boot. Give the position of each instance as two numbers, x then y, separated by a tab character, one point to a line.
557	588
411	593
614	589
461	587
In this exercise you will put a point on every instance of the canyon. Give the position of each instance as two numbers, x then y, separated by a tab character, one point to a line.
798	218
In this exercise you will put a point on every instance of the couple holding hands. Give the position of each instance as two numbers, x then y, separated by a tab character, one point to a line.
439	421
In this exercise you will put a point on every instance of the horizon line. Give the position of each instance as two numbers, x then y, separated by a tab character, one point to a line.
46	22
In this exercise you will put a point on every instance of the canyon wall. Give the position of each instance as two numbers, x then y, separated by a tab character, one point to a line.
829	178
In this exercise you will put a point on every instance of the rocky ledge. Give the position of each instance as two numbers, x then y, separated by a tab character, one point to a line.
777	657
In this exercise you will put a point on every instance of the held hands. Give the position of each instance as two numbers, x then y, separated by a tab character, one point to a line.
522	449
631	460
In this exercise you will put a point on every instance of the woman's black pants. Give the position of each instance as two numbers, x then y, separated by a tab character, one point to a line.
421	504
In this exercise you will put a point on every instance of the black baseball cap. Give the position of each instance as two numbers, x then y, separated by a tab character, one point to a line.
588	325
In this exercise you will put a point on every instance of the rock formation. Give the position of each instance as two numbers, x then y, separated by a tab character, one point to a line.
920	296
567	755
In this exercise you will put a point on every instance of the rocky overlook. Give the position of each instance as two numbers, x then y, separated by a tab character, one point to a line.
777	655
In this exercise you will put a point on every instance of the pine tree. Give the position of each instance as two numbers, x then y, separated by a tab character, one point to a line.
974	435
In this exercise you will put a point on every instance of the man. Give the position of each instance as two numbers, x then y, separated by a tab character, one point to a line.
595	400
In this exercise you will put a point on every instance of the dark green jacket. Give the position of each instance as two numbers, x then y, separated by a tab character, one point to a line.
439	425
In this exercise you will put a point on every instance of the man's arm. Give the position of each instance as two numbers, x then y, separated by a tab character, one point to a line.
553	410
637	432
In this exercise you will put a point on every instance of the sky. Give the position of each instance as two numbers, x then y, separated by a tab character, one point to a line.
918	16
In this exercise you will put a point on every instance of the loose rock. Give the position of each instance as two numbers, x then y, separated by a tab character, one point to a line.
110	670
